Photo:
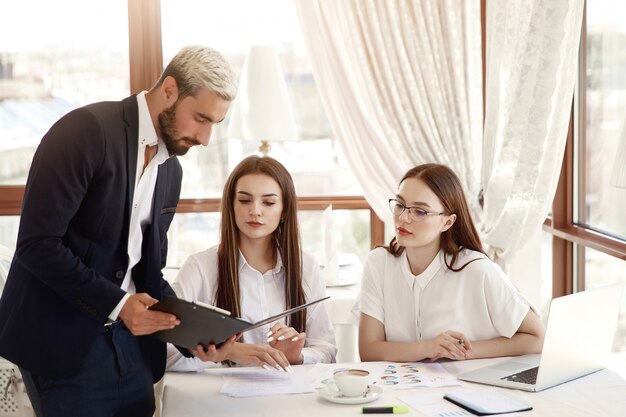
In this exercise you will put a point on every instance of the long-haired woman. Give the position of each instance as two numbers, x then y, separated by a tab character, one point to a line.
258	270
433	293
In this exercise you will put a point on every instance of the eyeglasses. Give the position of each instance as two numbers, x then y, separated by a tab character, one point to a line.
415	213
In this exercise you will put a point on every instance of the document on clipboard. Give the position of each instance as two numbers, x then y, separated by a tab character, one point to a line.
204	324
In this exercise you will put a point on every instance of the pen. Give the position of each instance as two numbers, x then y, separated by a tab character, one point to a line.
396	409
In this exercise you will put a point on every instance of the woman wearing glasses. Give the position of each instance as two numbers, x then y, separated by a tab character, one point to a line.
433	293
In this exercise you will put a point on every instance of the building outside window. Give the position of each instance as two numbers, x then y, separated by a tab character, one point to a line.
49	67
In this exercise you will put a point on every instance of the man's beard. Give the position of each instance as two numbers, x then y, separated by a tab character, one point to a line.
167	122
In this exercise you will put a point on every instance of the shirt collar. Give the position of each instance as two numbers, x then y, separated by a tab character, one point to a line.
147	133
243	263
429	273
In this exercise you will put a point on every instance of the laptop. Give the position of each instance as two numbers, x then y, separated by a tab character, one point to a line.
578	341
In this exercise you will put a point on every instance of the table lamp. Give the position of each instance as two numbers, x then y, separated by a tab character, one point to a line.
262	111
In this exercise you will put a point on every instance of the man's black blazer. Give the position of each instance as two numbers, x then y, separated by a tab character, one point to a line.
71	253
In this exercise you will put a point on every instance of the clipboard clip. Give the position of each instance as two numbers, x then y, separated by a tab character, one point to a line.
210	307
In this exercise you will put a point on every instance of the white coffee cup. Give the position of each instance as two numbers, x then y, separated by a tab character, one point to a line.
349	382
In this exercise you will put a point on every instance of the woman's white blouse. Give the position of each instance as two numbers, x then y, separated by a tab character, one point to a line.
478	301
262	295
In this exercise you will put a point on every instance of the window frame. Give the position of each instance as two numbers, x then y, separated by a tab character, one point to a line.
570	237
146	65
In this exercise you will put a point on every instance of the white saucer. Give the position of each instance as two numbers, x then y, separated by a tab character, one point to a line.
373	394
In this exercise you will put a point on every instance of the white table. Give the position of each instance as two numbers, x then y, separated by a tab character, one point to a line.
600	394
339	307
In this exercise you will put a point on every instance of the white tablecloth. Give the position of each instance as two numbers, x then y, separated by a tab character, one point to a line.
600	394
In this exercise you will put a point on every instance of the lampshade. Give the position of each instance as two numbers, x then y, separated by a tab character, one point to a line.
262	111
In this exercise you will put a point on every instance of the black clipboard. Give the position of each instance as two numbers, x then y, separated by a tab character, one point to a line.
202	324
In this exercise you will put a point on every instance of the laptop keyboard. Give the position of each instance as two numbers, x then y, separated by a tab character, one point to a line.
529	376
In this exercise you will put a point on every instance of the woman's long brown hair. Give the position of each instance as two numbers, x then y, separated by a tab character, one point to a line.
285	238
447	187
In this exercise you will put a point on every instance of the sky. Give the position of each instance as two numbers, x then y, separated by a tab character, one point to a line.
27	25
232	25
228	25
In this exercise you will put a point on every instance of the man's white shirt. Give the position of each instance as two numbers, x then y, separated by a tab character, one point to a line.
145	181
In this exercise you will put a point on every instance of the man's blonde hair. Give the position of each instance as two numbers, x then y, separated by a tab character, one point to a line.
196	67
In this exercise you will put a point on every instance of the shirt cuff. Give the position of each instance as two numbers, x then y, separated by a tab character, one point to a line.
116	311
309	357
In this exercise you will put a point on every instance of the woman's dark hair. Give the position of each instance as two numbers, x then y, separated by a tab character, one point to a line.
447	187
285	239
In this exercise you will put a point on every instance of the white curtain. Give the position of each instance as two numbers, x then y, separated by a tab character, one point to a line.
532	49
401	82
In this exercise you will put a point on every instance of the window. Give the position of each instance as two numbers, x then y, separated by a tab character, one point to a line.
546	274
49	66
231	28
63	64
603	119
601	270
223	26
42	78
588	225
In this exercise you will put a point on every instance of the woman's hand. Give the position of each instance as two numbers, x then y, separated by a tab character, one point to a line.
212	353
288	341
449	344
260	355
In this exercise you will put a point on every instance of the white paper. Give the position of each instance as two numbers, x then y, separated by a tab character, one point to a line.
415	374
253	382
433	405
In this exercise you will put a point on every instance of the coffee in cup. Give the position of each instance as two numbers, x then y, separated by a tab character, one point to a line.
349	382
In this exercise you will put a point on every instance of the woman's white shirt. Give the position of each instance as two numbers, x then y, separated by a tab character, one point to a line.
262	295
478	301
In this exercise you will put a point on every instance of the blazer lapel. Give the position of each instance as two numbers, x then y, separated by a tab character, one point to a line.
131	116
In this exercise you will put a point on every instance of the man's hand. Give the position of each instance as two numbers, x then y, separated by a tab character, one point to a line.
141	321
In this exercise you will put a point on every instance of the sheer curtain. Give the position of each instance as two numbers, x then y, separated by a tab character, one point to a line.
401	82
532	49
